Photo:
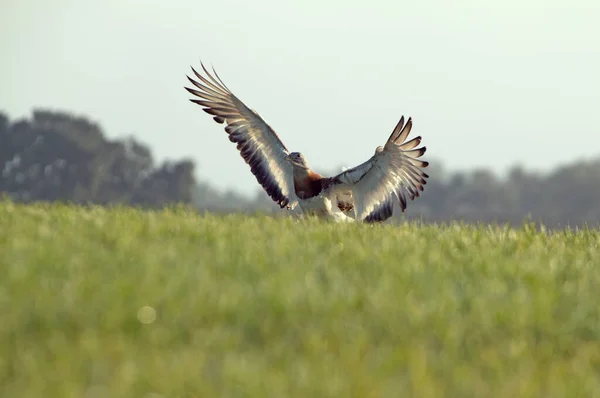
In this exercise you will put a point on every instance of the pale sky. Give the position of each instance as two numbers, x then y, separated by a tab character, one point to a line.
488	83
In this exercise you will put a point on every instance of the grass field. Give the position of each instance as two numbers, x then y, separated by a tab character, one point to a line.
99	302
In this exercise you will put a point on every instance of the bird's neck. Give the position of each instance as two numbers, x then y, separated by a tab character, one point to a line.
301	173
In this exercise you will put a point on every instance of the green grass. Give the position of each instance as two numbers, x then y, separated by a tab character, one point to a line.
260	307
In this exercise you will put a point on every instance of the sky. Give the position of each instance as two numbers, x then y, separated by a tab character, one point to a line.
491	83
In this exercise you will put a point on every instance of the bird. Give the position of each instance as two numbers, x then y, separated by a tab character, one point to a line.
364	193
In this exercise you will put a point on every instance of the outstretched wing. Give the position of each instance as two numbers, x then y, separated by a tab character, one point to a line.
257	142
389	175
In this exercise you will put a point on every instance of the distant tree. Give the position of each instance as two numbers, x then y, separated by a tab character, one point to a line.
172	182
57	156
569	195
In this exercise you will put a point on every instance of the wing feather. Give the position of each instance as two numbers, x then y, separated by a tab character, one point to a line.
257	142
383	211
411	144
403	134
388	175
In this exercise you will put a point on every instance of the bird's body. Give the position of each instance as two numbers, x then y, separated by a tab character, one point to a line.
316	199
365	193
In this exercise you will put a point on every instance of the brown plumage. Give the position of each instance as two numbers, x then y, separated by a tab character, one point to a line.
308	186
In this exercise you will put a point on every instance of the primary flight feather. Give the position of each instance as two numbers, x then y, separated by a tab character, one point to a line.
364	193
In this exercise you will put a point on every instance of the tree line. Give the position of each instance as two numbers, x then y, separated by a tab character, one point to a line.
58	156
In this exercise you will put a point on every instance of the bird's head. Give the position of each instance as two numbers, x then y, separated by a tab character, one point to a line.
297	160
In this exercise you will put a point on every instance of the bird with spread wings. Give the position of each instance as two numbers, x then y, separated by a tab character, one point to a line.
365	193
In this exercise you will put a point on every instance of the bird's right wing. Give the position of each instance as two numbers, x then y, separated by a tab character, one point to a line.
257	142
393	171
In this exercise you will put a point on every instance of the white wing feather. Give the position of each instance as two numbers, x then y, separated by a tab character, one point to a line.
257	142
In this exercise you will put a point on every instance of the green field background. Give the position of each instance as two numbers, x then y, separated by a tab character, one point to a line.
99	302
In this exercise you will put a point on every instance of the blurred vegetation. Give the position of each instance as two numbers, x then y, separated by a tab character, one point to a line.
98	302
57	156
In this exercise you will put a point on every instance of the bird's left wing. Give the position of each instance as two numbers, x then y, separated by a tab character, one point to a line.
392	172
257	142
